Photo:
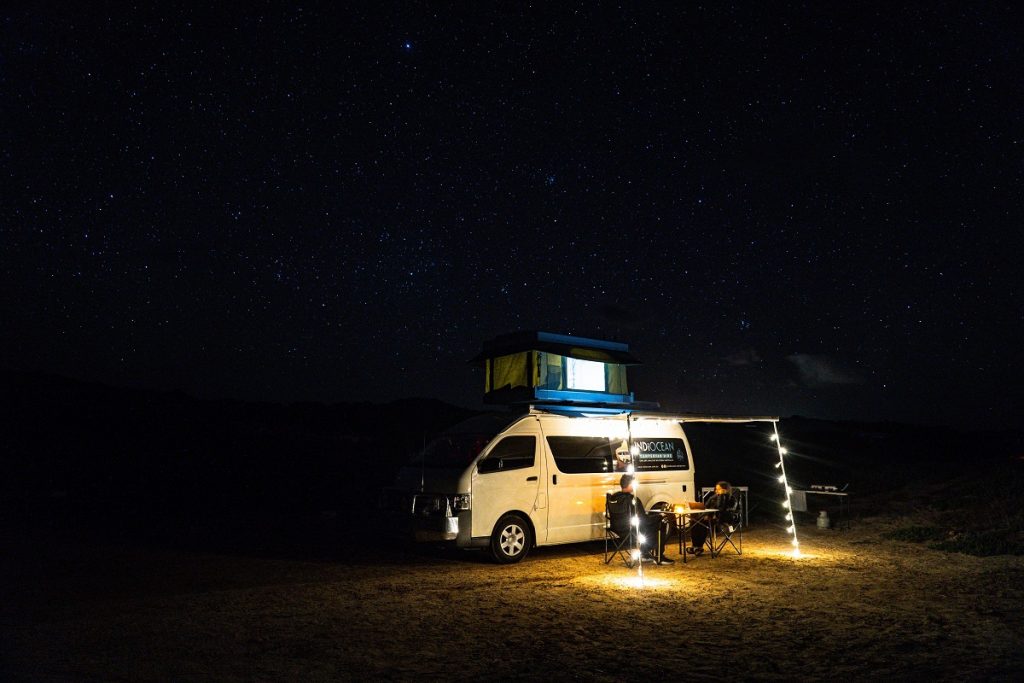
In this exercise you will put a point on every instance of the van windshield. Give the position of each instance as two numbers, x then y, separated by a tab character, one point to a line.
458	446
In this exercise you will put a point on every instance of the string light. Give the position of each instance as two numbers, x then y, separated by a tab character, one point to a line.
787	504
634	452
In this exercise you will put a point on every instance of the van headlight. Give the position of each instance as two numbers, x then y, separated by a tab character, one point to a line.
461	501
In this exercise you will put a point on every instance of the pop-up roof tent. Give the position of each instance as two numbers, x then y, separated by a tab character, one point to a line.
542	367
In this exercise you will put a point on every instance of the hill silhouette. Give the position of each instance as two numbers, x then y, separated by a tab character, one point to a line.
81	453
91	449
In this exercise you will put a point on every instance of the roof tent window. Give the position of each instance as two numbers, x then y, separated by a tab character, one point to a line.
545	367
584	375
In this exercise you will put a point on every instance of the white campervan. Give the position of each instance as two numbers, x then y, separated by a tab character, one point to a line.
511	482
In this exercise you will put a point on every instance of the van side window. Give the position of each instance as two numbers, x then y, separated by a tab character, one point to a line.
511	453
580	454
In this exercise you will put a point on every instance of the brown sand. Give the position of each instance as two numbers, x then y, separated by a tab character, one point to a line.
854	607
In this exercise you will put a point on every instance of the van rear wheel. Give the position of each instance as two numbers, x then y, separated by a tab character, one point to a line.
511	540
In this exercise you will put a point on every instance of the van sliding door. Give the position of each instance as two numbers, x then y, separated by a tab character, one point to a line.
584	470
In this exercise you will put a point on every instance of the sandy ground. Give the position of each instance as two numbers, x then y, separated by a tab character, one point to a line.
854	607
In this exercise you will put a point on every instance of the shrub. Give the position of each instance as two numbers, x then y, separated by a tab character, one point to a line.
982	543
917	534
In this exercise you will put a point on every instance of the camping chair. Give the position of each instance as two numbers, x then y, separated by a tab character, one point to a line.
619	537
729	526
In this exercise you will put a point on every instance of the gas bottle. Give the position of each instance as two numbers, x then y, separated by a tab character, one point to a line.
823	521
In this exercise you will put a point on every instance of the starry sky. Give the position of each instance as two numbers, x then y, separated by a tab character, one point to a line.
804	209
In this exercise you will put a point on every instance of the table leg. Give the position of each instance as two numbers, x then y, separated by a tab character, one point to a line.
681	526
680	536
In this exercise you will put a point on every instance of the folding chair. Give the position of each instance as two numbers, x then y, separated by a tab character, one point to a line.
729	527
619	536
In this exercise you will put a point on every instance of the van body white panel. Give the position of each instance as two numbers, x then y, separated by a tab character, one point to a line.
577	506
518	490
577	499
563	506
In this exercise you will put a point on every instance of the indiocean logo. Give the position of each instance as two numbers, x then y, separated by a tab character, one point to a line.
655	446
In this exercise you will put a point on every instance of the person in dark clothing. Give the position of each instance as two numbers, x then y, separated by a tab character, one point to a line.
653	527
725	502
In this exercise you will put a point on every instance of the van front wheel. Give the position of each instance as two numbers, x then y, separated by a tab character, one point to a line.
511	539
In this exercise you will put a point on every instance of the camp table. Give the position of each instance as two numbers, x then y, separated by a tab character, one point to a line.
686	520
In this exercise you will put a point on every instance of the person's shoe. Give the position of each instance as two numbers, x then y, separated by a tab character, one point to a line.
666	560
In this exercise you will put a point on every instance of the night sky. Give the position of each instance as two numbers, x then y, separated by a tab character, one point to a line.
813	209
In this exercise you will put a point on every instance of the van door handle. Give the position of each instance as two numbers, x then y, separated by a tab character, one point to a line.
531	479
554	478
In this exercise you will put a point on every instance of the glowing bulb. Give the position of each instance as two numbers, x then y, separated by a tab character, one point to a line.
636	554
774	437
789	515
783	450
791	528
782	478
796	552
640	538
778	464
789	489
629	468
635	521
796	543
785	504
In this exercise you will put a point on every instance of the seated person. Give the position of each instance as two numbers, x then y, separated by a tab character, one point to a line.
651	523
726	518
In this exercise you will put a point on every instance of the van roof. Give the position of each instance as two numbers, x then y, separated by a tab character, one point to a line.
618	414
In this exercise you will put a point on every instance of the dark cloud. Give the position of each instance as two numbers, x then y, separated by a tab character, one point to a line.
819	370
744	357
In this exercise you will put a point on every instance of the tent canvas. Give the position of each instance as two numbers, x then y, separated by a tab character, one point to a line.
542	366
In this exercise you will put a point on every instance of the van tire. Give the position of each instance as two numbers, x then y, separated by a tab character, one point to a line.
511	539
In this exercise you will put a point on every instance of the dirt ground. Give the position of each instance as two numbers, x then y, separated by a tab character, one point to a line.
854	607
